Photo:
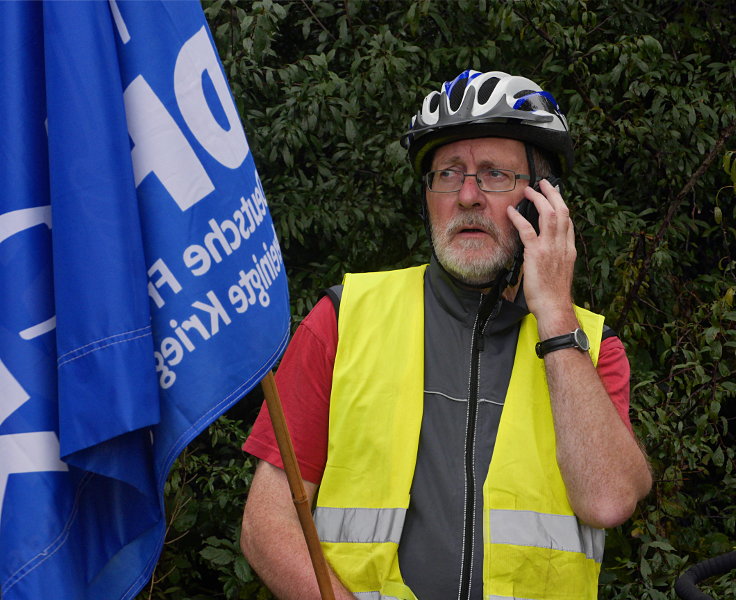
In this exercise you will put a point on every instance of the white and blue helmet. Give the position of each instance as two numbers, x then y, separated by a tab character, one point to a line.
492	104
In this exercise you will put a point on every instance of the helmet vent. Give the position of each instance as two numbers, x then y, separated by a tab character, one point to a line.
434	103
457	93
486	89
522	93
531	101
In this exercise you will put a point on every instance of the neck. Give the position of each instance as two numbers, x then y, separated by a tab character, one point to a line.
512	291
509	293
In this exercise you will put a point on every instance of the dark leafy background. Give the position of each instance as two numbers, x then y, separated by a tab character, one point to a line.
326	89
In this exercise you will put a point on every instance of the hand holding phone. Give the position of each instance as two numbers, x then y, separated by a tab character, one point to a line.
527	209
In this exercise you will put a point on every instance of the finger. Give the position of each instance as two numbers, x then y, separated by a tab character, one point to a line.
570	232
534	195
522	225
554	213
548	217
553	196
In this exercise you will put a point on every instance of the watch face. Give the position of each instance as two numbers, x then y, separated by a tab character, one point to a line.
581	339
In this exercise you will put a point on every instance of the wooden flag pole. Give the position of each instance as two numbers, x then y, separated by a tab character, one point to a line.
296	485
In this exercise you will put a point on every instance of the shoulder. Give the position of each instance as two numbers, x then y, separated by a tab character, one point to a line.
334	294
614	371
320	325
613	354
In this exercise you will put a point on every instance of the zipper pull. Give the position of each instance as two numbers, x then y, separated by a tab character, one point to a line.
481	343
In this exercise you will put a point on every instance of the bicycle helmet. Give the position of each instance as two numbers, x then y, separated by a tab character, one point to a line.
492	104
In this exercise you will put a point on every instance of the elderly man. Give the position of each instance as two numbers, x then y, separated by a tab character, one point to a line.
463	425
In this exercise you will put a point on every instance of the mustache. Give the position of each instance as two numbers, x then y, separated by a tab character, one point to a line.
472	221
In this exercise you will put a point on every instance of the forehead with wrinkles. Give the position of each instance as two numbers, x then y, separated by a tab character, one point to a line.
482	152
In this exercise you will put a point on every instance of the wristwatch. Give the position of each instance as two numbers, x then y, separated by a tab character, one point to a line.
576	339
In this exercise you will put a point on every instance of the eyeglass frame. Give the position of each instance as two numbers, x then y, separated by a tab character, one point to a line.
517	177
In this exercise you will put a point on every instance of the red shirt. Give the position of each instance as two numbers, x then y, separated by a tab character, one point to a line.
304	381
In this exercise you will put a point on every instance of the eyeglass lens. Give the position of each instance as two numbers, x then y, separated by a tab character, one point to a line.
489	180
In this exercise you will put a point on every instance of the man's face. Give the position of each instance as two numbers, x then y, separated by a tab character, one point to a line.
472	236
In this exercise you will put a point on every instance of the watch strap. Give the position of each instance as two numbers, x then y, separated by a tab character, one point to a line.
575	339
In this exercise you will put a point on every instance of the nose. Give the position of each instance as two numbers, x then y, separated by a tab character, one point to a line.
470	195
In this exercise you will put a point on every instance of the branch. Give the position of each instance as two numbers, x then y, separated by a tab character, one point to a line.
667	221
316	18
540	32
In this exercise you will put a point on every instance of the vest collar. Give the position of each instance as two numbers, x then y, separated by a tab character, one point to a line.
462	304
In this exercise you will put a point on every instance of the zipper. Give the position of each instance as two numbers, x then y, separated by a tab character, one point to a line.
487	311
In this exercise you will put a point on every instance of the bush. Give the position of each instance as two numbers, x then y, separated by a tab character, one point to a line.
326	89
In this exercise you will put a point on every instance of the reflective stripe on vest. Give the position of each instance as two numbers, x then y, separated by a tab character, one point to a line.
557	532
373	596
359	525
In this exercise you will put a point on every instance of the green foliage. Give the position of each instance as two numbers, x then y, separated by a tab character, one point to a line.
729	165
327	88
204	503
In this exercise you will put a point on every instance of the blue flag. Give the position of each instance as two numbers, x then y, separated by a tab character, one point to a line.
143	288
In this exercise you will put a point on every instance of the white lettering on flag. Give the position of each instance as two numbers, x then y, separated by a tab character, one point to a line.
12	394
119	22
16	221
197	56
24	452
161	148
40	329
28	453
215	310
166	277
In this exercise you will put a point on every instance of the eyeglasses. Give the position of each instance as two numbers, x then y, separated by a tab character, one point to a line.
446	181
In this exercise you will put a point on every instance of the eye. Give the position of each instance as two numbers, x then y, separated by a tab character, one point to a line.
494	174
496	180
445	180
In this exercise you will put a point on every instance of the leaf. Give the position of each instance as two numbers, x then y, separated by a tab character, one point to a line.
718	457
729	165
662	545
242	569
218	556
350	131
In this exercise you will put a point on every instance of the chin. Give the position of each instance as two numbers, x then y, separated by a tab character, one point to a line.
473	272
475	262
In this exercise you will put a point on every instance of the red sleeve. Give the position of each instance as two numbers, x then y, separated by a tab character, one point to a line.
614	371
304	382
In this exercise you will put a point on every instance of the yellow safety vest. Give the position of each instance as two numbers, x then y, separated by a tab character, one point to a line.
534	546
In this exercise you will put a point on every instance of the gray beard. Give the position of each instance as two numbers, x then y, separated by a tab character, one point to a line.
479	270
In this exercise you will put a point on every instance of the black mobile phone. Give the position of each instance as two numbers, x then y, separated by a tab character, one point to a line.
527	209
